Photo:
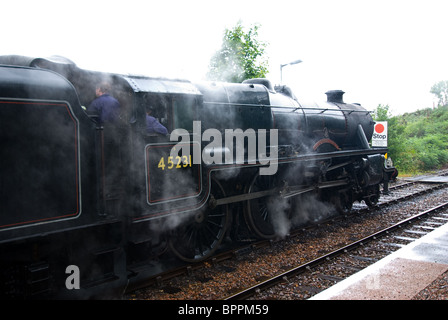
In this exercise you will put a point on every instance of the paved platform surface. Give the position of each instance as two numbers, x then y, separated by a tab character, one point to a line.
399	276
429	179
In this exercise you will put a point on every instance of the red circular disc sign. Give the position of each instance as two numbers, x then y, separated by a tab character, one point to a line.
379	128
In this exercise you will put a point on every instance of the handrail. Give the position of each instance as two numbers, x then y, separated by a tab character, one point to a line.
286	107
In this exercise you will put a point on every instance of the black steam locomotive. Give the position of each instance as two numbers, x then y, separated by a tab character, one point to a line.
85	208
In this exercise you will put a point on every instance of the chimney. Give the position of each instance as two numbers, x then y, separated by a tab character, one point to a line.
335	96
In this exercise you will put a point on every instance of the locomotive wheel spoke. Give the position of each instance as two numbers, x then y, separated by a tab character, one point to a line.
260	217
199	238
343	202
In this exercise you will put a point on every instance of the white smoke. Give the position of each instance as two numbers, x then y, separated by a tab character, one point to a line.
310	209
279	209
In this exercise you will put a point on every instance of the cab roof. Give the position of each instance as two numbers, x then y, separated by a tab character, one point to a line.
161	85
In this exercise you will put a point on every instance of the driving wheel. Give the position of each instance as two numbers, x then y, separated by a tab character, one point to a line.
267	217
201	235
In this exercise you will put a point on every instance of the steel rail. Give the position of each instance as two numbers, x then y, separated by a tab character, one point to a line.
246	293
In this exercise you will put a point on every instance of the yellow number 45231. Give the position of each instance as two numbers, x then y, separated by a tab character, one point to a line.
174	162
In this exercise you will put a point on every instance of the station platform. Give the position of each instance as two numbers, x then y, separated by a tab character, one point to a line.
428	179
400	276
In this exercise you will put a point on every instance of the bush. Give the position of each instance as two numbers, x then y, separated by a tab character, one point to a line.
418	141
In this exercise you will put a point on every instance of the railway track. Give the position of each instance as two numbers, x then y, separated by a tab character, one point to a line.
181	282
368	250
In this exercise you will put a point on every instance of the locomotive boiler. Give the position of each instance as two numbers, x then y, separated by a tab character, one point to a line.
240	161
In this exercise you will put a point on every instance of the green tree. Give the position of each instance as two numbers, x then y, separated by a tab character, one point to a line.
440	90
381	113
240	57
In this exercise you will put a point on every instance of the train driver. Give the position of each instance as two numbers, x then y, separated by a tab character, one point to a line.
106	107
152	125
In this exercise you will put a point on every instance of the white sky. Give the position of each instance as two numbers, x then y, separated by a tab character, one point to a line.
378	52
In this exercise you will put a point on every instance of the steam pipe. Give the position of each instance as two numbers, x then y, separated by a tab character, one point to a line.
362	138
